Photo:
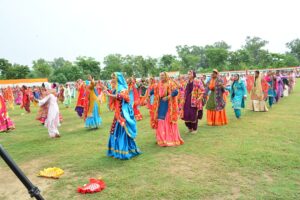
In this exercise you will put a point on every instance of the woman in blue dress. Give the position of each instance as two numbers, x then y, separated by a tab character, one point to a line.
238	94
121	143
93	119
271	90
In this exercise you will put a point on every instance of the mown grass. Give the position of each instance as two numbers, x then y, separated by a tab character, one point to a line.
257	157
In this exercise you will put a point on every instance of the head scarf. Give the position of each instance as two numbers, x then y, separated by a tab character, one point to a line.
121	83
258	87
166	75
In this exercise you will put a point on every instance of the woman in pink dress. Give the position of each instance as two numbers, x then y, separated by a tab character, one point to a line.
18	99
5	122
166	112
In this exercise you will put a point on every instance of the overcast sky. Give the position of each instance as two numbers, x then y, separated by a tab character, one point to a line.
32	29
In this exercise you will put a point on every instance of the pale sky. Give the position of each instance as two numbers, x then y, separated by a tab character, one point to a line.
32	29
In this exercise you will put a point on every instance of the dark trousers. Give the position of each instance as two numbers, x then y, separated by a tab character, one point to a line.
194	125
191	125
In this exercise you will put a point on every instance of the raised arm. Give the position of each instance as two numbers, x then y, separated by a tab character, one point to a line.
44	100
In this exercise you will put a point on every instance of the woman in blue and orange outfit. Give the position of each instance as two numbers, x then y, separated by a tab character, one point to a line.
121	143
93	119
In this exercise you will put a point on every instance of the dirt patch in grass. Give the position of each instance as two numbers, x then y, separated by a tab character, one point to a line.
189	166
268	177
10	186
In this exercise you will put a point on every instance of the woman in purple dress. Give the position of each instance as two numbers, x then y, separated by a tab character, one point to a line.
279	84
192	104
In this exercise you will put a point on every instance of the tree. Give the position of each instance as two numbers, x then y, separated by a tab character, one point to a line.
59	78
290	60
65	67
17	72
238	58
88	65
150	67
192	57
128	65
140	67
294	47
264	58
222	45
167	60
42	68
216	57
58	62
4	67
254	46
112	63
170	63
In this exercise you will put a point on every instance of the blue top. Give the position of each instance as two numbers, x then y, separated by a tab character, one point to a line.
164	105
237	93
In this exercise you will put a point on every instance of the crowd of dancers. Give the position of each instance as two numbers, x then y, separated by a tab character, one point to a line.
167	99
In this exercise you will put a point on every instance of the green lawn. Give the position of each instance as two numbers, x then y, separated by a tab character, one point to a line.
257	157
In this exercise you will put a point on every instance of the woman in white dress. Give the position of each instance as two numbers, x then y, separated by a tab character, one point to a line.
52	121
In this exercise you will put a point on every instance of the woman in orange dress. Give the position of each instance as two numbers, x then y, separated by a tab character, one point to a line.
216	114
150	98
134	98
9	96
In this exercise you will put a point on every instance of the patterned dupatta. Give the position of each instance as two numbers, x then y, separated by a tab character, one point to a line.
250	82
172	103
136	98
216	86
197	96
3	111
123	110
260	89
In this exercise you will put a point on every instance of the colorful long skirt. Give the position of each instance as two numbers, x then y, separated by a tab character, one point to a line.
42	114
215	117
137	114
258	106
120	145
167	133
94	120
6	124
18	100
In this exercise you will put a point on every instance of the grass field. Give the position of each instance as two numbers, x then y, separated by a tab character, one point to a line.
257	157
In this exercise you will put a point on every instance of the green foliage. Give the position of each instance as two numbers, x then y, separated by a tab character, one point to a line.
17	72
59	78
88	66
254	46
42	68
4	67
294	47
216	57
252	55
71	72
291	60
